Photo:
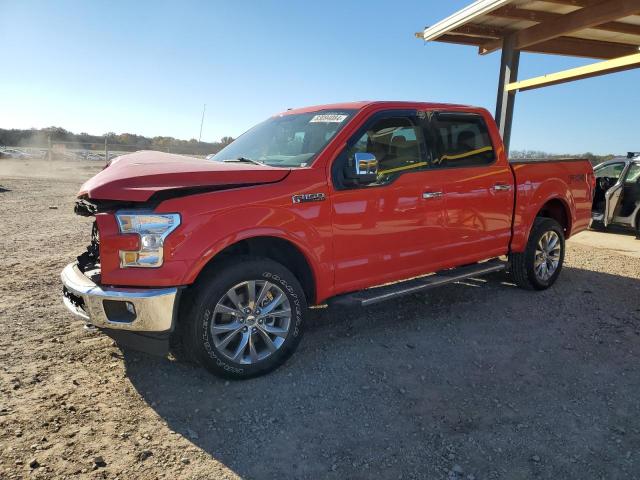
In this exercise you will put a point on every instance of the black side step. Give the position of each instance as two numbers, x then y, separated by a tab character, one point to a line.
407	287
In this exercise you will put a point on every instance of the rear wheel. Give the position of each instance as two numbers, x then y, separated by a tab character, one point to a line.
538	267
246	318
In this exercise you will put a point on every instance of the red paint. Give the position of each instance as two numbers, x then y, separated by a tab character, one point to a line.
355	238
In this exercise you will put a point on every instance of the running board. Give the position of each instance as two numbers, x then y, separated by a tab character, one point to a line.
387	292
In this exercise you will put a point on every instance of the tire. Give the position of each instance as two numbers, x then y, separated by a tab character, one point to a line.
597	226
220	306
523	265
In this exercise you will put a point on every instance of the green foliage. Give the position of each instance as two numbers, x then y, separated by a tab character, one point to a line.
117	142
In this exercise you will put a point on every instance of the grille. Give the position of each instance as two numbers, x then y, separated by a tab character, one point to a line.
90	259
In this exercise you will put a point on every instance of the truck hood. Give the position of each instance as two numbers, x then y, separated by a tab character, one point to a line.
136	177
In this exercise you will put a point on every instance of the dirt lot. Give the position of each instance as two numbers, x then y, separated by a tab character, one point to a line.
475	380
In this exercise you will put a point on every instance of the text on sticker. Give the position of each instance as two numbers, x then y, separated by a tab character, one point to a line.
328	118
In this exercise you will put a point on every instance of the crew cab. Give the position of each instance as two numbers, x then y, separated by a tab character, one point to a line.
347	204
616	200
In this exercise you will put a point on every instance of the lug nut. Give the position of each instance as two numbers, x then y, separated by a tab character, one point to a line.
260	322
258	311
242	320
244	329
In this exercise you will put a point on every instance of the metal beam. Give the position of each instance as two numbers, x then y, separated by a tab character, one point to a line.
505	102
538	16
588	71
571	22
576	47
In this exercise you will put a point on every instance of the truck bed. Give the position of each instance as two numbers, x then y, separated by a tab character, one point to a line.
540	179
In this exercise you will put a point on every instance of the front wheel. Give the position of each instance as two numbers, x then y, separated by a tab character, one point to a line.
538	267
246	318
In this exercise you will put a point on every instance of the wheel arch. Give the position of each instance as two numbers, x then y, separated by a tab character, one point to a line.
558	210
275	248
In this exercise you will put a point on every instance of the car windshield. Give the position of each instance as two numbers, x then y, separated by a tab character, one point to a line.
290	140
612	170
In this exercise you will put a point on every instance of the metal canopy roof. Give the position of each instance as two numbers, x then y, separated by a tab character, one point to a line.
588	28
604	29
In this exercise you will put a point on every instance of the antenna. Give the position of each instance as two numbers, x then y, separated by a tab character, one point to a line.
201	122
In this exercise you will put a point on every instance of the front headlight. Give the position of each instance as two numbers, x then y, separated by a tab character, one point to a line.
152	229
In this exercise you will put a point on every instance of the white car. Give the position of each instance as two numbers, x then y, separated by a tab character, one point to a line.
617	197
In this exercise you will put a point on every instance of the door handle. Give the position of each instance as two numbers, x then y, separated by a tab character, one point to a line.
429	195
501	187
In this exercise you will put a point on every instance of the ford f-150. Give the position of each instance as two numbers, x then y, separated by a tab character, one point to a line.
350	204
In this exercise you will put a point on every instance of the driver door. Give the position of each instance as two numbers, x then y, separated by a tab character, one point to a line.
392	228
613	172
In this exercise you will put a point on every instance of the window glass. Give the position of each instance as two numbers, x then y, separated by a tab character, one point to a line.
612	171
633	175
461	140
396	144
291	140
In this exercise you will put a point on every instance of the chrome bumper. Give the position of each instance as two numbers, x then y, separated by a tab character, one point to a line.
133	309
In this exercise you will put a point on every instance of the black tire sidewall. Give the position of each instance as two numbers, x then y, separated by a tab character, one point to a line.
211	290
542	226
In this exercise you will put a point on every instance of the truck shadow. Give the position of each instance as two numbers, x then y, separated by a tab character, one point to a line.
461	374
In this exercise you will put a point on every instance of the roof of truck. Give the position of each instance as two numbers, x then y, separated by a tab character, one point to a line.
366	103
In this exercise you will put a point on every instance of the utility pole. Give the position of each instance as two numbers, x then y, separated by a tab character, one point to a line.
201	122
106	150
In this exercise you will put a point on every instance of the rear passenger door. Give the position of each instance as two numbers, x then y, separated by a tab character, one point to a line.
478	190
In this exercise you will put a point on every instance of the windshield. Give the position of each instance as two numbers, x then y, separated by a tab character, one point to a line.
287	140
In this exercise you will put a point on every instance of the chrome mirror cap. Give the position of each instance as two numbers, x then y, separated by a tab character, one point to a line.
365	164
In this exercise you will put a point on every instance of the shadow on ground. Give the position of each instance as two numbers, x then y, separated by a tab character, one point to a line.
473	380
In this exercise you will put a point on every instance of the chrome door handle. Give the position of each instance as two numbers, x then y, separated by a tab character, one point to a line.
429	195
501	187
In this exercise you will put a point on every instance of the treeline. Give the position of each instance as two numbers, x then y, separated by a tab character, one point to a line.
117	142
594	159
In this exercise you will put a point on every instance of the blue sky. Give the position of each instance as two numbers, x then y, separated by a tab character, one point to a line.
148	67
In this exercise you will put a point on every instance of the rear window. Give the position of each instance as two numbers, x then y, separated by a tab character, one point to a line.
461	140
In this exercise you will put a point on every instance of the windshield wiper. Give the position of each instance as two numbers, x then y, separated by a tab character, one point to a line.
245	159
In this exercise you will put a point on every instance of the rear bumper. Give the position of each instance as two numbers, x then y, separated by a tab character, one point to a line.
128	309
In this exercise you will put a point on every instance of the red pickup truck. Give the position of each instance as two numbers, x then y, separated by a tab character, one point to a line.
350	203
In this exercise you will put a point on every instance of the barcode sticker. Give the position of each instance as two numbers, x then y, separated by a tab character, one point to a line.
328	118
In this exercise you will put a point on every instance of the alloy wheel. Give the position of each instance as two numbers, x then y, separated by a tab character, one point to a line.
251	321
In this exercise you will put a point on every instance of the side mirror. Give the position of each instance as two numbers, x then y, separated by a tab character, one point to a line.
364	168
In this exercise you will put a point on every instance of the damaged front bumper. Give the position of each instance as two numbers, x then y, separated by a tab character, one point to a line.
129	315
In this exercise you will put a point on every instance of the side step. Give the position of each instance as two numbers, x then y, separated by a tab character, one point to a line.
380	294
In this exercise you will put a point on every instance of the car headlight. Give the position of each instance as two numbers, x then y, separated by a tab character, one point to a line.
152	229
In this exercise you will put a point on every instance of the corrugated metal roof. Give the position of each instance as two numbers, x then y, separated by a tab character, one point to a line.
484	21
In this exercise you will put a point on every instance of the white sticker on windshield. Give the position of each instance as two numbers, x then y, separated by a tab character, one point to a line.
328	118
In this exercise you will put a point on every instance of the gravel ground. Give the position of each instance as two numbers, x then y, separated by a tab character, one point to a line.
477	380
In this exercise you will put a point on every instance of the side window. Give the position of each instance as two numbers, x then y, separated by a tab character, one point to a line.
461	140
397	145
633	175
612	171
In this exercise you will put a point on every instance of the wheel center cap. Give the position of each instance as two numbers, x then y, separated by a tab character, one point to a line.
251	320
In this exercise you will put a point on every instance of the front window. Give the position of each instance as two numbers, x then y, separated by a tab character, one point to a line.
291	140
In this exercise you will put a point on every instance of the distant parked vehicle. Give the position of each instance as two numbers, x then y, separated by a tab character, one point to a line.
14	153
617	197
